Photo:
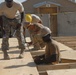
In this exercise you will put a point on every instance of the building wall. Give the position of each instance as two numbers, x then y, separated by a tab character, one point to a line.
66	5
67	24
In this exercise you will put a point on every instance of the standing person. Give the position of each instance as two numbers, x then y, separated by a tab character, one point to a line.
9	11
52	53
1	29
32	18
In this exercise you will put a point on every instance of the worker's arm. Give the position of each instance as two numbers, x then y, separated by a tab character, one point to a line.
19	24
1	25
22	16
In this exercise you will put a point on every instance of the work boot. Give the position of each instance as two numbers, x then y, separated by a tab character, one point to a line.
22	53
6	56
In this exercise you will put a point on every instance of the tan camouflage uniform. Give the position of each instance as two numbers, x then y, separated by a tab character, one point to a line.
51	50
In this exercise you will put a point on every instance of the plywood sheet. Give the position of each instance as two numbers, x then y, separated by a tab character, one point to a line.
15	66
62	72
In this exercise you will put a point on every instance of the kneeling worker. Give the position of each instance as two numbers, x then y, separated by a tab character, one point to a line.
52	53
32	18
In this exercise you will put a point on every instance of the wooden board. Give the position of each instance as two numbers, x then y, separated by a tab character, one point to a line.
70	55
15	66
56	66
62	72
63	47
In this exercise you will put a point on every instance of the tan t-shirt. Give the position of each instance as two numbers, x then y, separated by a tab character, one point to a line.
11	12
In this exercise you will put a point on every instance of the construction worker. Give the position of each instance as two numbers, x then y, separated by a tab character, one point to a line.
12	13
52	53
32	18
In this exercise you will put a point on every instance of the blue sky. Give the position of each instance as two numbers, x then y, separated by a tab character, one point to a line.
17	0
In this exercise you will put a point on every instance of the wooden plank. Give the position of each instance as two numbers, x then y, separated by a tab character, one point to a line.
65	39
15	66
63	47
70	55
47	10
56	66
62	72
68	41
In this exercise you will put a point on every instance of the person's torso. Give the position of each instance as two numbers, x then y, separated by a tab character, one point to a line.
10	12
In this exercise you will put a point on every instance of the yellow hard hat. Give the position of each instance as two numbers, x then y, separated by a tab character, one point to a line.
28	18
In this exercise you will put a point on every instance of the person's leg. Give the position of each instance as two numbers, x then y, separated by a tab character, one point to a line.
5	44
5	47
39	59
24	32
21	41
54	54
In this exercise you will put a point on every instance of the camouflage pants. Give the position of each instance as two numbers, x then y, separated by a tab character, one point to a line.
7	24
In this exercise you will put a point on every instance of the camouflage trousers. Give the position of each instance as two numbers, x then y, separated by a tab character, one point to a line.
9	24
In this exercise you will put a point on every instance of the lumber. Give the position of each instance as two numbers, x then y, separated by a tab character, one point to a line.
56	66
